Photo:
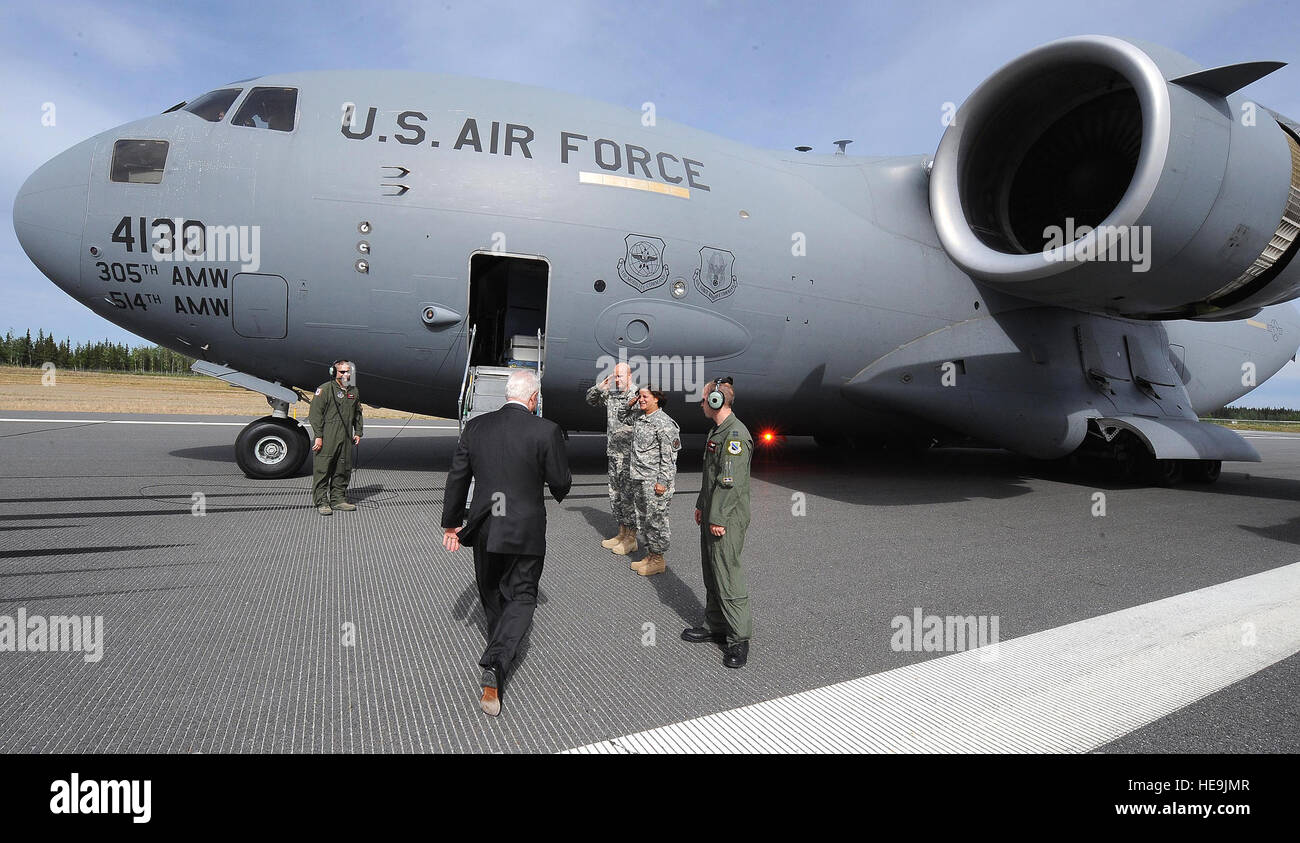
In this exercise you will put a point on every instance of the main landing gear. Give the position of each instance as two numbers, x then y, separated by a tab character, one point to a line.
1129	460
273	446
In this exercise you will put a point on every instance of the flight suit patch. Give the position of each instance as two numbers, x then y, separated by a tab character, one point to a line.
726	482
734	447
713	446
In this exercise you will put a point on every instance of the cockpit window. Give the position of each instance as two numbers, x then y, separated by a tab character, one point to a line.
139	161
269	108
213	105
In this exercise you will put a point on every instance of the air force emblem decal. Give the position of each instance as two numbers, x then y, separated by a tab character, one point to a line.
715	278
643	266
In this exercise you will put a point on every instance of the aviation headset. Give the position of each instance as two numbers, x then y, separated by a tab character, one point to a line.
352	375
715	399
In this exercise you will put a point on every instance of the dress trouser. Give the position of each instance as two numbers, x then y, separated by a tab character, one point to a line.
507	586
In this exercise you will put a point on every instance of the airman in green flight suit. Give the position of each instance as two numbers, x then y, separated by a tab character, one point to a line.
336	421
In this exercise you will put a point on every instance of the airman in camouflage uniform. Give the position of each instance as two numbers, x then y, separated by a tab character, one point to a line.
655	443
615	393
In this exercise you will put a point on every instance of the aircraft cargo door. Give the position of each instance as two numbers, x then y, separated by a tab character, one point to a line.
507	307
259	305
507	319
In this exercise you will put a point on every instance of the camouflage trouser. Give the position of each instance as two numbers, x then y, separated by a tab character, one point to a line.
652	514
622	490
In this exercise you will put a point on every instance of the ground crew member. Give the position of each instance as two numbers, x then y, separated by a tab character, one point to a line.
722	511
614	392
336	421
653	468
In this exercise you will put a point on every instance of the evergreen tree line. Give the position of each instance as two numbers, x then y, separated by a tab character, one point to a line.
103	356
1256	413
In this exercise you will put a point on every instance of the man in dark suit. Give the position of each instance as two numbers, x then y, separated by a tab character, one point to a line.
510	453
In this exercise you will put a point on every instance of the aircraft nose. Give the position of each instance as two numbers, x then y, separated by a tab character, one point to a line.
50	213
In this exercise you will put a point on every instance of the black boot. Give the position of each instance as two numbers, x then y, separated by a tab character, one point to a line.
702	634
737	655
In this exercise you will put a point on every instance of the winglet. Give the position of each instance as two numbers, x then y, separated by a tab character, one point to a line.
1230	78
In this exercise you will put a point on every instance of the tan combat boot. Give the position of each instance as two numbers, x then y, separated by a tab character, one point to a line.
652	564
614	541
627	545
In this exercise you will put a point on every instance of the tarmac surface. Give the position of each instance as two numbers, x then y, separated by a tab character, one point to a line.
259	626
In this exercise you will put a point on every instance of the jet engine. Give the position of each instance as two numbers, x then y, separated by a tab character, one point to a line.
1101	174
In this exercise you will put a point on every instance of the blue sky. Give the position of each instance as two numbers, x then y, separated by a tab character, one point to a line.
769	74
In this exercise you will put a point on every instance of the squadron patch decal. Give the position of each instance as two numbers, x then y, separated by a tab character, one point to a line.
643	264
715	278
733	447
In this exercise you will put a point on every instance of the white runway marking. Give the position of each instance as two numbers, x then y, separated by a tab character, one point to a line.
1068	689
370	426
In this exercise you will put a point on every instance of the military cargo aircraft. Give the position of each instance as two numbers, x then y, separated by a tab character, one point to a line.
1099	250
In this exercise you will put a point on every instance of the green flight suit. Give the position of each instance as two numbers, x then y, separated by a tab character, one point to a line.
724	500
335	416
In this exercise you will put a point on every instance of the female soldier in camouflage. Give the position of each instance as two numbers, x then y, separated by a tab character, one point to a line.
653	467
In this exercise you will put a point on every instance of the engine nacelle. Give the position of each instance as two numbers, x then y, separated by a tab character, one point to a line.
1096	174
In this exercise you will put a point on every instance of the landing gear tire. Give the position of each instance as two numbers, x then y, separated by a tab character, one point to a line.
1129	459
271	448
1166	472
1204	471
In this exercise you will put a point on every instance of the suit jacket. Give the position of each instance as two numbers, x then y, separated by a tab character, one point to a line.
510	453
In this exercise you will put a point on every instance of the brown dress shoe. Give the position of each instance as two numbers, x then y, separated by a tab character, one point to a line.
490	702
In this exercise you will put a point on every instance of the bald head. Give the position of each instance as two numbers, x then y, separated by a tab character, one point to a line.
622	376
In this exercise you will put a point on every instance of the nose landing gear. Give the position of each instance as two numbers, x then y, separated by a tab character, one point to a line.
273	446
